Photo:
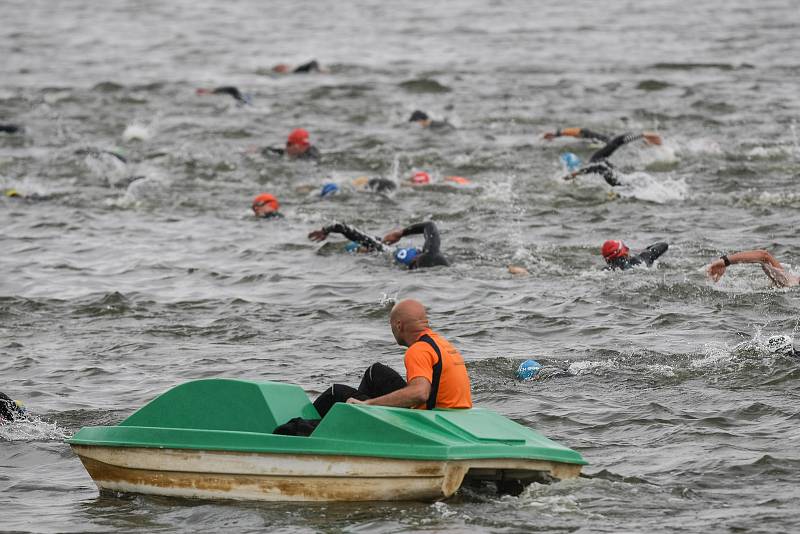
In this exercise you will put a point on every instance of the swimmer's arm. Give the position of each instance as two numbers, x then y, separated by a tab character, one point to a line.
653	252
415	393
349	232
717	268
603	170
583	133
432	239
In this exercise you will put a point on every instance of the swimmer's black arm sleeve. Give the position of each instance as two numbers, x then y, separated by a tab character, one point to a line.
653	252
604	170
589	134
432	239
613	145
354	234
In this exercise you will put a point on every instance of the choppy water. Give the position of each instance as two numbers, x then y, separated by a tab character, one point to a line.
117	288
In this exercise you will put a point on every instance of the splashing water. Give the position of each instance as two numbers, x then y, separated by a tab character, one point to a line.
32	428
642	186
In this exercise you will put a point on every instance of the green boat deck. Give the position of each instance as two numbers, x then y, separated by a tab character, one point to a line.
239	415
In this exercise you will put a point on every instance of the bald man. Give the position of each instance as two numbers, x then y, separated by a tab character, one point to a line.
436	376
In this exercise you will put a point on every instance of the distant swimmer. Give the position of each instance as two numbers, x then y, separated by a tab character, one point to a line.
266	206
580	133
421	178
429	256
771	267
298	146
10	128
422	118
362	184
9	409
618	256
305	68
13	193
599	164
229	90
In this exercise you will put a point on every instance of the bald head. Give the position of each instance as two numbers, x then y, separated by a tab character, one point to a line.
408	319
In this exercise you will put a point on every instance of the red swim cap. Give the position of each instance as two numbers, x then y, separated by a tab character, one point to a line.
457	180
298	137
265	199
614	249
420	178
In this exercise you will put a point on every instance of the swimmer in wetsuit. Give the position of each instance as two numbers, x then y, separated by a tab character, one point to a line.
9	409
617	255
229	90
305	68
10	128
581	133
771	267
599	164
413	258
422	118
297	147
265	206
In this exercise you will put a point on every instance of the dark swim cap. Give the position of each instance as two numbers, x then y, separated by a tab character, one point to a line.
418	116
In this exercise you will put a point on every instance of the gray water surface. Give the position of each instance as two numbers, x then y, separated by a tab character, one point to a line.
131	278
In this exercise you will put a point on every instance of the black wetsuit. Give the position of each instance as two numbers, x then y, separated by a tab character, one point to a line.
233	92
599	164
8	408
420	116
381	185
646	257
312	154
311	66
10	128
585	133
378	380
429	257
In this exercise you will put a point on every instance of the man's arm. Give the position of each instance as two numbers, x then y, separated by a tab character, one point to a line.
432	239
350	233
583	133
624	139
415	393
603	169
653	252
767	260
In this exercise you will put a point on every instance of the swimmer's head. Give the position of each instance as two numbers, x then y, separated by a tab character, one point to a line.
10	409
570	161
352	247
297	142
361	182
329	189
420	178
11	193
281	68
528	370
613	249
418	115
406	256
265	204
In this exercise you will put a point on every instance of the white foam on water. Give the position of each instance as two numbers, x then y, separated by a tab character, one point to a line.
703	146
137	132
761	152
642	186
32	428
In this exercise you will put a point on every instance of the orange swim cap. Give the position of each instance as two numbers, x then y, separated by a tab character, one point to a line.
421	178
614	249
460	180
265	199
298	137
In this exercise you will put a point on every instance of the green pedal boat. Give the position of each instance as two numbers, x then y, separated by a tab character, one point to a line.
213	439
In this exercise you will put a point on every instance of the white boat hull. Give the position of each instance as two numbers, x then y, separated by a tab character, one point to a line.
283	477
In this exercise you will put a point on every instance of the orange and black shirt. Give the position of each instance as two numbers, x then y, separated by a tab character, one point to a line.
422	359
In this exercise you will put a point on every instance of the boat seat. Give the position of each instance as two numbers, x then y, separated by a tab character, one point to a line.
225	404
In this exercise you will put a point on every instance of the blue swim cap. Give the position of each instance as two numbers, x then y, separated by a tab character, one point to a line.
528	369
352	246
405	255
329	189
570	161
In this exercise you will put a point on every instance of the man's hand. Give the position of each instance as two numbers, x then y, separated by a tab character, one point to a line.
716	270
318	235
652	138
353	400
393	237
549	136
